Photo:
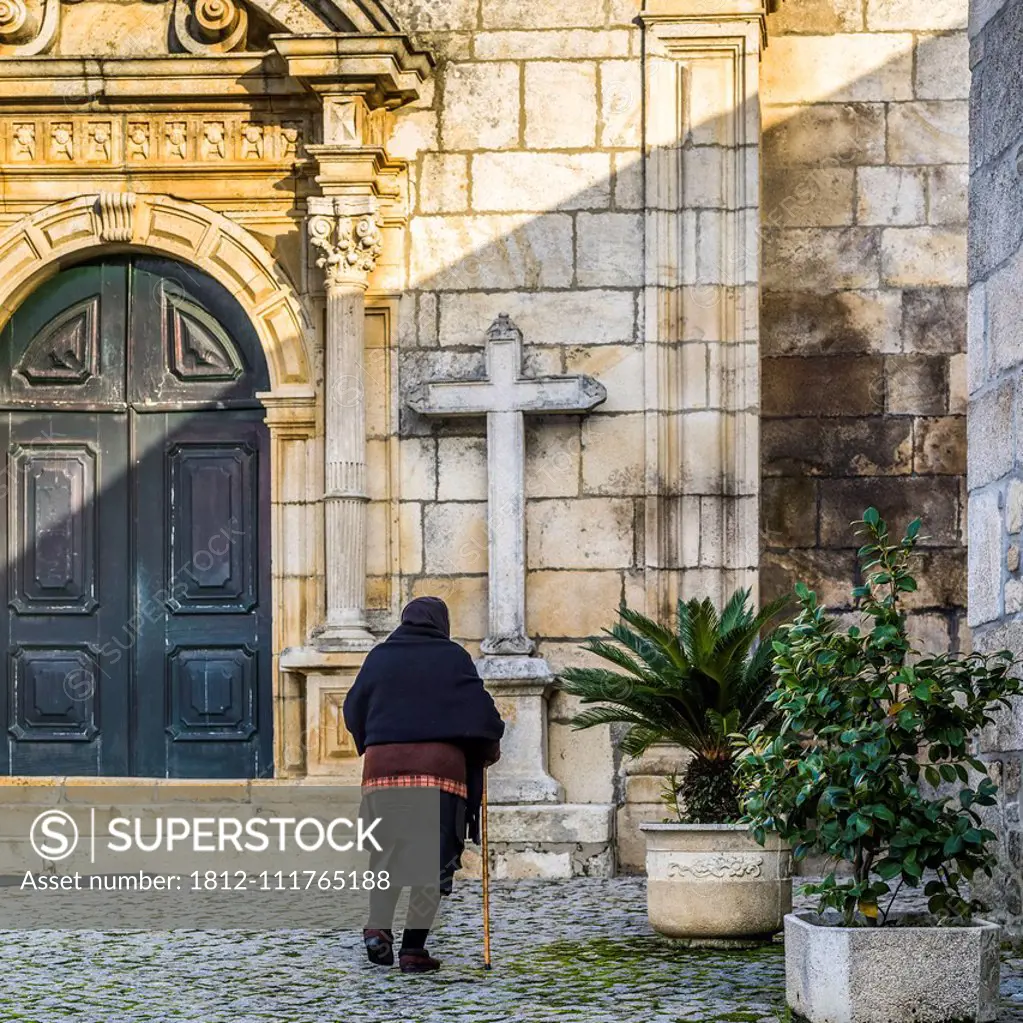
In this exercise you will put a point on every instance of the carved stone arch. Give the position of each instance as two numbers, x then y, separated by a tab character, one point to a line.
305	16
36	247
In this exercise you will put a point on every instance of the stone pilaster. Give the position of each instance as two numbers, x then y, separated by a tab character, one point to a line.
347	233
702	136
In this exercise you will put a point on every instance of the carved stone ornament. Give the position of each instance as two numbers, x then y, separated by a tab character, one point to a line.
115	213
350	244
202	27
720	866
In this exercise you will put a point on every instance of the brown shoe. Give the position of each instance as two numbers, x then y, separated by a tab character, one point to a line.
417	960
379	946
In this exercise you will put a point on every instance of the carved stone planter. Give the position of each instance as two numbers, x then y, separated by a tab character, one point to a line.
912	971
709	881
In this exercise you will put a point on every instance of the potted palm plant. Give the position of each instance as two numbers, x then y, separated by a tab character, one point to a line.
871	765
693	684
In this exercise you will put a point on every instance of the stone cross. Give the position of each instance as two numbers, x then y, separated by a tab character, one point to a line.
520	682
505	397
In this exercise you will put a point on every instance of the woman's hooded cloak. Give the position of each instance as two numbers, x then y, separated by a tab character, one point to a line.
420	686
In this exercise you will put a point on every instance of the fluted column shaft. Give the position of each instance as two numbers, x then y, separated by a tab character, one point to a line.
350	241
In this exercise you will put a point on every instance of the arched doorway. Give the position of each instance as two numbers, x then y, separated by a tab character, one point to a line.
134	521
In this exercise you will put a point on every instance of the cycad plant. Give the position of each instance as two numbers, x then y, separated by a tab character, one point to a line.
693	684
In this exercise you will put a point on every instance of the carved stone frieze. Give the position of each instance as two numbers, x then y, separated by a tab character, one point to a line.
157	140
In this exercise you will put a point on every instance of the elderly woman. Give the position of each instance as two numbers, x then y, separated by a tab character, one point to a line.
419	712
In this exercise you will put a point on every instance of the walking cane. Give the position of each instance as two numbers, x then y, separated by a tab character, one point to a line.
486	875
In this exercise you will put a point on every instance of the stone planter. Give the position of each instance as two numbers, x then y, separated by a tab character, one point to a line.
891	974
708	881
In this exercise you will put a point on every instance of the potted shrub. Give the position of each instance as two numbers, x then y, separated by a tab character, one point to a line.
693	685
871	765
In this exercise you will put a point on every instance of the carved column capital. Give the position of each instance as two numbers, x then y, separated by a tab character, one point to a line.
349	238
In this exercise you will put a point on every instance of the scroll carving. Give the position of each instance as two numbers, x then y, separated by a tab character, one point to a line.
115	212
27	31
210	26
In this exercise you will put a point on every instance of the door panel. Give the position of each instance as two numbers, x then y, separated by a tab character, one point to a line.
65	347
67	602
205	589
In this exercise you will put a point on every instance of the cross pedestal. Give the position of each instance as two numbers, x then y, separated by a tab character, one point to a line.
519	681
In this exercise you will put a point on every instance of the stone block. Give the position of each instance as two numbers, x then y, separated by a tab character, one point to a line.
593	607
542	14
838	68
942	67
532	864
578	316
816	17
461	469
828	385
418	468
941	579
843	973
928	132
557	44
934	320
481	106
807	197
929	633
410	535
957	391
915	257
415	16
557	824
627	181
947	193
583	762
820	259
788	512
1014	507
1004	334
618	367
466	597
553	456
607	249
834	134
614	454
585	533
998	103
540	181
839	322
456	537
981	12
996	216
479	252
830	574
890	195
933	499
915	15
916	384
941	446
621	103
414	132
443	183
631	843
850	446
561	104
989	423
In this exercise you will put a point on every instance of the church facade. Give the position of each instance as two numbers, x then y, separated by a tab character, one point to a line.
313	306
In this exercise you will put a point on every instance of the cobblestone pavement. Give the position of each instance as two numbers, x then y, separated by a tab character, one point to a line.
563	951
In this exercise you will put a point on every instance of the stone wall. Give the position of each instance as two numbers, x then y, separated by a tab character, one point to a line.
995	361
526	197
863	315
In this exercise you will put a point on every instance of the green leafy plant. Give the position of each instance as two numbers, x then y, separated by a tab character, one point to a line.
869	730
693	684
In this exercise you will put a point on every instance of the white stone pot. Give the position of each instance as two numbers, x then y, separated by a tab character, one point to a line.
714	881
890	974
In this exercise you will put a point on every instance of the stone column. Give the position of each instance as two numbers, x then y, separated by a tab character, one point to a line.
347	232
702	138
